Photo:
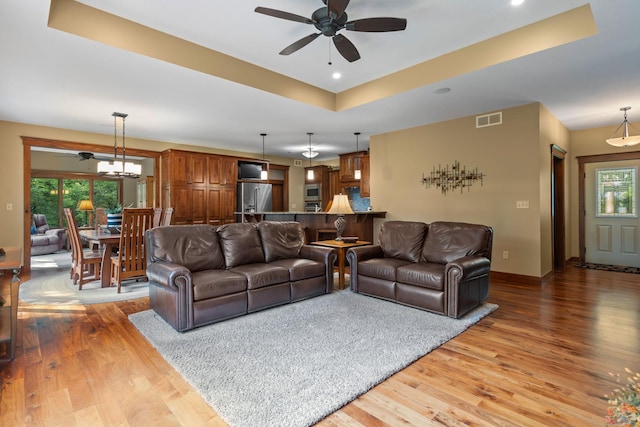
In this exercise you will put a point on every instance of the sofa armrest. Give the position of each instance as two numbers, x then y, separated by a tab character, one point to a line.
466	284
467	267
322	254
172	276
363	253
357	254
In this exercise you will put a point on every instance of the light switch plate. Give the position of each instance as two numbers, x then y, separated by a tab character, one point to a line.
522	204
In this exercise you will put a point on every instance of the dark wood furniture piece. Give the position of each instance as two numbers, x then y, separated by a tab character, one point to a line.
85	264
10	266
341	248
131	260
107	242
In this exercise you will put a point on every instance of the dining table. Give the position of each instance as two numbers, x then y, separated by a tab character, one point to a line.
106	241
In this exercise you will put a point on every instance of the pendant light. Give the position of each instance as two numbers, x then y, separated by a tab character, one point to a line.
357	174
310	174
117	167
264	174
625	140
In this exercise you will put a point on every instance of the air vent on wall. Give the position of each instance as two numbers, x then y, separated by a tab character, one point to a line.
489	120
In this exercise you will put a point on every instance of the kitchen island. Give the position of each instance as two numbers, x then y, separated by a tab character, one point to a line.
319	225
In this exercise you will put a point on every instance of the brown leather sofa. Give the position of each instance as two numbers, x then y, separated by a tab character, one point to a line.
441	267
200	274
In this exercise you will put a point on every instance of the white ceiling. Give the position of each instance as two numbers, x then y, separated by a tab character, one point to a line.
52	78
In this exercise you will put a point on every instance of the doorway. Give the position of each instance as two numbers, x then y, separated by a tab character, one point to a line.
53	145
583	161
557	206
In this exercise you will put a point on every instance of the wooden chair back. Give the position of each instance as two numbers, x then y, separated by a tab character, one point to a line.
131	260
85	266
157	215
166	217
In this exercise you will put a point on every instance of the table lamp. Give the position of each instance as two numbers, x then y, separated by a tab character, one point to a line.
85	206
340	206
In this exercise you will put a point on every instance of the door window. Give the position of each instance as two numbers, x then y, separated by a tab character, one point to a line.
616	192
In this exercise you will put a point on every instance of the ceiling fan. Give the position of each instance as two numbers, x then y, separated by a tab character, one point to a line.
84	155
331	19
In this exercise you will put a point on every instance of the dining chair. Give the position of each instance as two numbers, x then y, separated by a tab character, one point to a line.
166	216
157	215
131	260
85	264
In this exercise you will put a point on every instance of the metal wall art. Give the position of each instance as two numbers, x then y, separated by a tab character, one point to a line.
452	177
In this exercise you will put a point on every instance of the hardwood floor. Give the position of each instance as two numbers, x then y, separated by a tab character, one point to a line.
541	359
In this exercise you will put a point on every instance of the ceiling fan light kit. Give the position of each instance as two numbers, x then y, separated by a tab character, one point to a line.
625	140
331	19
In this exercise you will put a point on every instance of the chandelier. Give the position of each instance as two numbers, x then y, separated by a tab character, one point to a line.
625	140
452	177
117	167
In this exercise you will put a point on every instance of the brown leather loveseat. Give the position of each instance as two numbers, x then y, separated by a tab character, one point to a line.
200	274
441	267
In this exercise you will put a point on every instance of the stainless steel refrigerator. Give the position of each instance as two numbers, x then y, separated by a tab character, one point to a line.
254	197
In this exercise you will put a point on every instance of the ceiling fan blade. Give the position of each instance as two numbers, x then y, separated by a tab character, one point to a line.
336	8
283	15
346	48
377	25
299	44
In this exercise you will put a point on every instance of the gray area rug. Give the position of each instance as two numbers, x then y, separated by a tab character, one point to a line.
50	285
295	364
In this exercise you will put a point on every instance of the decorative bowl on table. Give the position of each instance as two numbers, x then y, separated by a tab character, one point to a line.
349	239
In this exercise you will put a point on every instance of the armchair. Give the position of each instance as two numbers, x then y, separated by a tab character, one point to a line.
46	240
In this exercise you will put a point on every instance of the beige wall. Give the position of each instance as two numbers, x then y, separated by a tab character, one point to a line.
515	157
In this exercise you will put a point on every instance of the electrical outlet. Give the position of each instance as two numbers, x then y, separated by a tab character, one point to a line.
505	254
522	204
9	206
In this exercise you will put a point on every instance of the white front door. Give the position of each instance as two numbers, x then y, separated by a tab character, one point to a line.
611	217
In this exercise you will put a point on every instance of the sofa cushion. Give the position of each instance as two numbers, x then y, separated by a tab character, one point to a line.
301	268
240	244
261	275
216	283
280	239
402	239
195	247
448	241
426	275
381	268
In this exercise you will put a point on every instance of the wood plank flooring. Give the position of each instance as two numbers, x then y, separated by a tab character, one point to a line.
542	359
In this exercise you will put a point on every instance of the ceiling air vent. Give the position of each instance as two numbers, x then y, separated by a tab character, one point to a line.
489	120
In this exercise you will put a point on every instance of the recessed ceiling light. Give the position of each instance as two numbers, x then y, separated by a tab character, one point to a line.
442	90
516	2
336	75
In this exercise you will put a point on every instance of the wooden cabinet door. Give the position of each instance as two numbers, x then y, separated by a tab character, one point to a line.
213	169
277	197
365	189
179	165
180	201
214	206
198	205
197	173
228	199
229	171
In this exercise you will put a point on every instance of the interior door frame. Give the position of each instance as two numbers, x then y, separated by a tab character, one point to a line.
582	209
29	142
558	206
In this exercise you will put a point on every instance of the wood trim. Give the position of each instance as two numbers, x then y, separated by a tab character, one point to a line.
519	278
582	161
558	206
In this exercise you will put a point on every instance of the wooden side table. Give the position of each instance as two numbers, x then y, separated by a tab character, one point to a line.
341	247
10	266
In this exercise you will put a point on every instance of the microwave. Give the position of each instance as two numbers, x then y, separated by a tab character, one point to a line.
313	192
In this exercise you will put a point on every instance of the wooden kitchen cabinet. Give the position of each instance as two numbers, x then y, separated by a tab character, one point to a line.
365	189
349	162
201	188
